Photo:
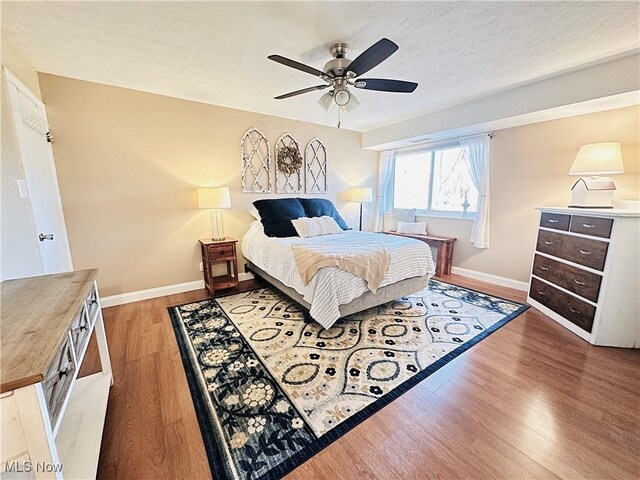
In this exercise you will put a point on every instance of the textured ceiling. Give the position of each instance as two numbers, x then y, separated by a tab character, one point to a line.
216	52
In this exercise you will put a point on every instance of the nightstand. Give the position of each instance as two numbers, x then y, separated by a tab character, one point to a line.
219	251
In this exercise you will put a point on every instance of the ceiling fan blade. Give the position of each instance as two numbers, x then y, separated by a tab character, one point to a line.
384	85
300	92
372	56
297	65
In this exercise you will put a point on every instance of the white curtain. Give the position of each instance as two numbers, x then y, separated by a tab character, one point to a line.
478	161
384	200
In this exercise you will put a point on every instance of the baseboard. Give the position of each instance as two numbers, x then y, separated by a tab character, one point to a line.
490	278
140	295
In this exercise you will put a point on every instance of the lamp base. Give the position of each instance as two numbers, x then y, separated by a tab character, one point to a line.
593	192
217	225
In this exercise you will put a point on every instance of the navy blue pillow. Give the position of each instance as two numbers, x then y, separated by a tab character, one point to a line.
276	215
319	207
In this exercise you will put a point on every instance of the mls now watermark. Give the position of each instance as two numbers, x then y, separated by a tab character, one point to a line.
26	467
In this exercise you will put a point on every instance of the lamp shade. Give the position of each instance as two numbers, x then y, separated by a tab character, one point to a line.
361	195
326	101
598	159
214	197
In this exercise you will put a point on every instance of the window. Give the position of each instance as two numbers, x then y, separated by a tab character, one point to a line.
435	182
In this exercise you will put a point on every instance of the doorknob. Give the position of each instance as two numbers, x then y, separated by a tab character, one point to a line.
45	237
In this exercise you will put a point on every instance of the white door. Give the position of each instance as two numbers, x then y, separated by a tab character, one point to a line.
31	128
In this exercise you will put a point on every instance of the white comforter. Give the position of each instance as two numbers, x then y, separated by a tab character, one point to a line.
332	287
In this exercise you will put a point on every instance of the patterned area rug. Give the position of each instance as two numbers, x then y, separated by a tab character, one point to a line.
271	387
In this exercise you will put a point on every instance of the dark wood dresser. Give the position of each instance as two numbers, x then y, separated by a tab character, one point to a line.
585	273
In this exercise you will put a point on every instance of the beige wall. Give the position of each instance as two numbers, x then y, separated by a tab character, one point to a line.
20	66
19	250
129	163
529	168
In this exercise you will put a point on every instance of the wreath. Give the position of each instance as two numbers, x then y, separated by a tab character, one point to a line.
289	160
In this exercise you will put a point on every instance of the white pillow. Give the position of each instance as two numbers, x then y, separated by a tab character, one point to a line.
255	213
414	228
401	215
315	226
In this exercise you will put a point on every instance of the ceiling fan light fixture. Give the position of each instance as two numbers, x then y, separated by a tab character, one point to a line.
342	96
326	101
351	105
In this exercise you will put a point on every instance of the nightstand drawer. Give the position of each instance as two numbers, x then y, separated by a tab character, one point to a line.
569	307
597	227
221	252
581	282
584	251
556	221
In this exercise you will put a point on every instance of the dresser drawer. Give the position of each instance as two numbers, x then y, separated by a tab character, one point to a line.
583	283
58	380
221	252
557	221
597	227
584	251
569	307
80	331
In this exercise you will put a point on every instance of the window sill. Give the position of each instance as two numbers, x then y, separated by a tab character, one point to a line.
447	215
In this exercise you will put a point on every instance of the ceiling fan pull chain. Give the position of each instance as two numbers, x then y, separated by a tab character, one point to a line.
338	117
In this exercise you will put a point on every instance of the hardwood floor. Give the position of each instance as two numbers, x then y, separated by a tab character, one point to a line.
530	401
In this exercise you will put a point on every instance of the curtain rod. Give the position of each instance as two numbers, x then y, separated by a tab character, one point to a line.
488	134
436	143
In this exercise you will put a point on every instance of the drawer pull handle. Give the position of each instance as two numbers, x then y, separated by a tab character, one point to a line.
221	252
551	220
547	242
585	252
574	310
578	282
588	225
544	268
540	292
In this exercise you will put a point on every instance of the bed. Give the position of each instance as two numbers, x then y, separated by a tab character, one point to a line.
333	293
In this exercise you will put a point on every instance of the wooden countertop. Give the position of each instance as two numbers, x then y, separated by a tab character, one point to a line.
421	236
35	315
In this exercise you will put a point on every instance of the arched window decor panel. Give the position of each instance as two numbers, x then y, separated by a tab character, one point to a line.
256	162
315	159
289	165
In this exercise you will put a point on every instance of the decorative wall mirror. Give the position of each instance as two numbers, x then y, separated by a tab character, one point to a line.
256	162
315	159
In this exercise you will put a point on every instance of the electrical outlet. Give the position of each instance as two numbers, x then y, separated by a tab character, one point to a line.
201	267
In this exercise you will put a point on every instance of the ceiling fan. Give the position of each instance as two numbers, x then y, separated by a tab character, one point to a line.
341	73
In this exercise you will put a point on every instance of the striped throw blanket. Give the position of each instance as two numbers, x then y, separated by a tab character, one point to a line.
368	260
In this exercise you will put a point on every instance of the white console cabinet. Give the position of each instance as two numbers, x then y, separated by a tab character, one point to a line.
52	421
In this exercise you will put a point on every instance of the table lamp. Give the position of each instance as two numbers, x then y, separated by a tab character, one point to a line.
592	190
361	195
215	198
